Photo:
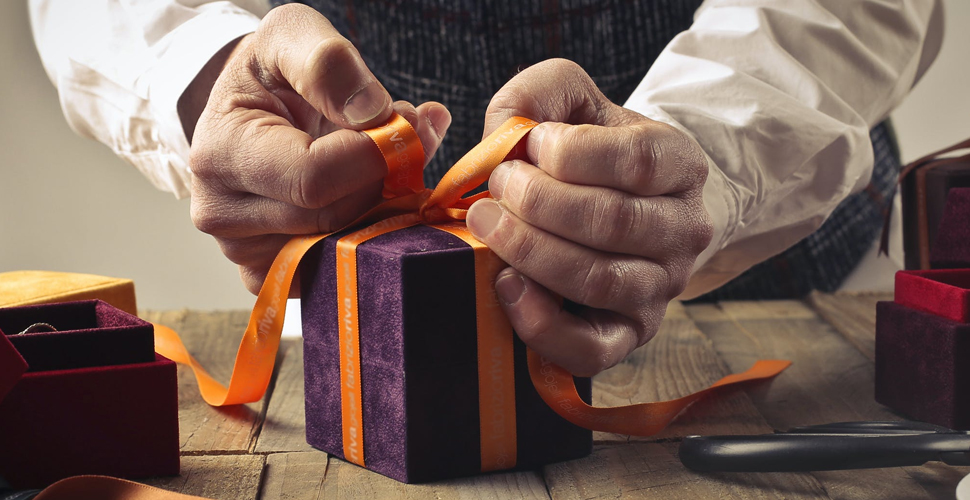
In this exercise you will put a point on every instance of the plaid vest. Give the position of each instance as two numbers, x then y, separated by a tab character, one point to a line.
460	52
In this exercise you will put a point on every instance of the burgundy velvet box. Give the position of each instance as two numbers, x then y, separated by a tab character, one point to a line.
922	368
65	417
944	292
419	374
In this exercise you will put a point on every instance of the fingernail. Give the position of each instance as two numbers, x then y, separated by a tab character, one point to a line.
483	216
440	120
510	288
366	104
496	183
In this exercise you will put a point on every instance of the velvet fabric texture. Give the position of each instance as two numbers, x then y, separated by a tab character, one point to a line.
20	288
952	248
12	366
921	365
944	292
62	420
89	333
419	374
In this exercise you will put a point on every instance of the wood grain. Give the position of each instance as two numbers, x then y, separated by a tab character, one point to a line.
852	315
213	338
284	428
652	470
219	477
313	475
677	362
830	381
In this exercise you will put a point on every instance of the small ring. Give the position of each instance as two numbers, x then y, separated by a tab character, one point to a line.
37	328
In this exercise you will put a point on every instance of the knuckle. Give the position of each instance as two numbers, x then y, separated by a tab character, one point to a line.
206	218
647	155
613	220
312	188
521	246
604	282
526	196
511	99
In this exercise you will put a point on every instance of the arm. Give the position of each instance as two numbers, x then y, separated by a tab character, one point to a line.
120	69
781	97
747	132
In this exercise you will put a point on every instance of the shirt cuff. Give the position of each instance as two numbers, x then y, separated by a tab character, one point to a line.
180	58
720	201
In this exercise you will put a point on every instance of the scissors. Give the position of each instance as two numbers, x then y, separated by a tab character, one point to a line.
838	446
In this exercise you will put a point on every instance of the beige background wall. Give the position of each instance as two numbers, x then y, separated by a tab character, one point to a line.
67	204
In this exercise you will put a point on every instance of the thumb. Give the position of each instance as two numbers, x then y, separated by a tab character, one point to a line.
556	90
299	46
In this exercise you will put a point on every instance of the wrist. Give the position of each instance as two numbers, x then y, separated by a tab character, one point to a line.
196	95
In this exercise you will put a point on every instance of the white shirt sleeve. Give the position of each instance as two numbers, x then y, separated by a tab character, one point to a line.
781	95
120	67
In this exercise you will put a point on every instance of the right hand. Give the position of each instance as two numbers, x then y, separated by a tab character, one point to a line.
278	151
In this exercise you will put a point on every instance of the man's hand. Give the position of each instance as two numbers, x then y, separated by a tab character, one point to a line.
605	210
277	150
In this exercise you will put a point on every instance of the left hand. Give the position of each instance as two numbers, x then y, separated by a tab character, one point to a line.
605	209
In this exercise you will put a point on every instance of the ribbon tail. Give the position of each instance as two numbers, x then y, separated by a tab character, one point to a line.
557	389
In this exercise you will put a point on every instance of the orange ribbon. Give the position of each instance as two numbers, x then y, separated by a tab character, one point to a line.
409	203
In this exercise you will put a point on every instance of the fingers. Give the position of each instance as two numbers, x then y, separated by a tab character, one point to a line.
538	93
241	215
255	152
300	48
600	218
621	283
647	159
583	345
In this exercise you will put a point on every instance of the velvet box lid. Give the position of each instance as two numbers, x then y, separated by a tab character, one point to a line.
943	292
952	247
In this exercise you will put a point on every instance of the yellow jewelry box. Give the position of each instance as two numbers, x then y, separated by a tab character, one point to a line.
19	288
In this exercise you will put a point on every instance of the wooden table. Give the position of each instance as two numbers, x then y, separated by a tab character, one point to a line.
258	451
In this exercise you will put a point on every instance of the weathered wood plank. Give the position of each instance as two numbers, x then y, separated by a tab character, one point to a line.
829	381
284	428
652	470
677	362
213	338
852	315
220	477
314	475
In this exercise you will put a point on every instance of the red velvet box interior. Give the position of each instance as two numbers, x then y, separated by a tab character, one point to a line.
89	333
12	366
118	420
943	292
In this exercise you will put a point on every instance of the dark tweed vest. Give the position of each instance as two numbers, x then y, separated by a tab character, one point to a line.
460	52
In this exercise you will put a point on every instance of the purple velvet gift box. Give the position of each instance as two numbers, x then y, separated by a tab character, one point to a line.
419	373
